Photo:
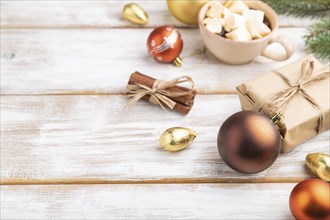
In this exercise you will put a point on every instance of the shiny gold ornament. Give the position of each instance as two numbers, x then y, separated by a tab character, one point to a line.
319	164
177	138
186	11
177	61
135	14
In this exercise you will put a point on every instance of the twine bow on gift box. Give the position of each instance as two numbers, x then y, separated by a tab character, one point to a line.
159	95
278	102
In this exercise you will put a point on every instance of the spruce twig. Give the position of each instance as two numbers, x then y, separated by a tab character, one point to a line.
301	8
318	39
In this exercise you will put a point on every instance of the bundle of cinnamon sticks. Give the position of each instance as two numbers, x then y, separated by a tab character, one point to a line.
182	103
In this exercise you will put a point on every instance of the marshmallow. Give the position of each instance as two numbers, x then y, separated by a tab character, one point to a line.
214	25
217	10
239	34
236	6
233	21
235	17
257	30
253	15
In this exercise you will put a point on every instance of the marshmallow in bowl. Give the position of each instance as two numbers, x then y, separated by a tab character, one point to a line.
239	34
233	21
217	10
252	15
213	25
236	6
257	29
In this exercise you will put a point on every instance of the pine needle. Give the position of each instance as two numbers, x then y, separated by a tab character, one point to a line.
318	39
301	8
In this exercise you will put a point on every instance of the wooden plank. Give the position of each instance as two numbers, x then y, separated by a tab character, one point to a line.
94	14
94	139
100	61
188	201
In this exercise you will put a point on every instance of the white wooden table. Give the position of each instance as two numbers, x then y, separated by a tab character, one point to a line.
69	148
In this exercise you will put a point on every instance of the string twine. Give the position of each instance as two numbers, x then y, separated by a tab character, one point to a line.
159	95
279	102
202	51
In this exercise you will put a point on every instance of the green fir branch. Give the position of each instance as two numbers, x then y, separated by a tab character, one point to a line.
318	39
301	8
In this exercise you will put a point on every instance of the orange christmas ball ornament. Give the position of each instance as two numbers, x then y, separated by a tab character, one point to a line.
165	45
310	200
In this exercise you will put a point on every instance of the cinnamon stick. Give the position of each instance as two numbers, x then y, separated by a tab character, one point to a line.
149	81
184	109
183	103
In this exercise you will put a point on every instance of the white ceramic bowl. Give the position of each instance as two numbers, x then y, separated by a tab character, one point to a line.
239	52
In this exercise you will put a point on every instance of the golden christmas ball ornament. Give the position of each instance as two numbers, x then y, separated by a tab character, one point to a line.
177	138
310	200
186	11
319	164
135	13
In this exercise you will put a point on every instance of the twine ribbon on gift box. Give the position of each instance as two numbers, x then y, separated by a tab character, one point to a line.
159	95
278	102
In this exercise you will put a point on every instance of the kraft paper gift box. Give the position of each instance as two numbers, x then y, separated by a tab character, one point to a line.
299	91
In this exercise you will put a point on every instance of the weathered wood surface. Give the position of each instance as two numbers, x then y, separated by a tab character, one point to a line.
94	138
125	201
94	14
69	148
100	61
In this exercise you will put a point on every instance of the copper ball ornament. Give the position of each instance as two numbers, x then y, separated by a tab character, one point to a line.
249	142
165	44
310	200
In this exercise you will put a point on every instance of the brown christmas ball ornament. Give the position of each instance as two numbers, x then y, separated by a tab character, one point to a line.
310	200
249	142
165	44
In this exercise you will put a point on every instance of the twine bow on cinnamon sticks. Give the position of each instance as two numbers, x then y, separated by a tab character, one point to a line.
278	102
164	93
